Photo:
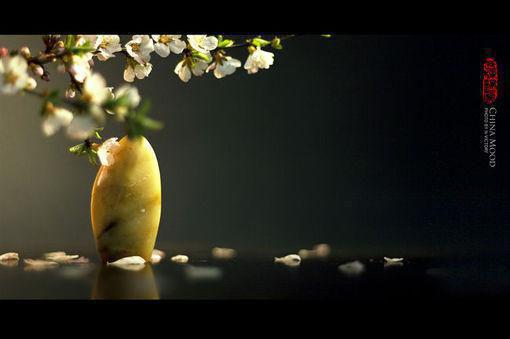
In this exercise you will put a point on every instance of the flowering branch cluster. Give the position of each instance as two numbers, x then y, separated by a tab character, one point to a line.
88	101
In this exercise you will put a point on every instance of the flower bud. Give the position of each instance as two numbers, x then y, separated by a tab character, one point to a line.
70	93
25	52
31	84
37	70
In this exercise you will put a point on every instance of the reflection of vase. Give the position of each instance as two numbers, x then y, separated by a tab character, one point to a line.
126	202
116	283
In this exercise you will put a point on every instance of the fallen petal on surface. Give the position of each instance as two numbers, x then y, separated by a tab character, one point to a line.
289	260
180	259
393	260
322	250
54	254
133	263
223	253
80	260
157	256
9	256
60	257
318	251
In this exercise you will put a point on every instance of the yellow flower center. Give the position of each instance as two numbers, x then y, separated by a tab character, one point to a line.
10	78
104	44
164	39
135	47
87	97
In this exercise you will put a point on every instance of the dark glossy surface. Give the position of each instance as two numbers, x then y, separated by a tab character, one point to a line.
245	278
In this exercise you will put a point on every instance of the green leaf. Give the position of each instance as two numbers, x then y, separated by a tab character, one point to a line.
80	50
259	42
70	41
276	43
225	43
92	156
96	133
202	56
85	149
152	124
78	149
137	121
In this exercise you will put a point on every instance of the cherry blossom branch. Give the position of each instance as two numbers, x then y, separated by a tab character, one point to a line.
88	110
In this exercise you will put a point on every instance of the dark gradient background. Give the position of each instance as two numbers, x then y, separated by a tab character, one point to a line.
369	143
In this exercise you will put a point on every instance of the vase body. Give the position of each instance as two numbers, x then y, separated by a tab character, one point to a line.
126	202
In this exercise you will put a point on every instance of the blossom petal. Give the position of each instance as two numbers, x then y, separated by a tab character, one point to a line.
133	263
106	151
162	50
81	127
180	259
291	260
9	256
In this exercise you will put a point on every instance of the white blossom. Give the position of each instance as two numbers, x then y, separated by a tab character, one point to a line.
130	93
95	40
258	59
187	66
226	66
289	260
79	67
180	259
13	74
54	119
109	45
94	90
166	43
106	151
81	127
134	69
203	43
183	71
140	48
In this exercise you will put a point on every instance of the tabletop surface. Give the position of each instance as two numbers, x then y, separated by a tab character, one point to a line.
260	278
